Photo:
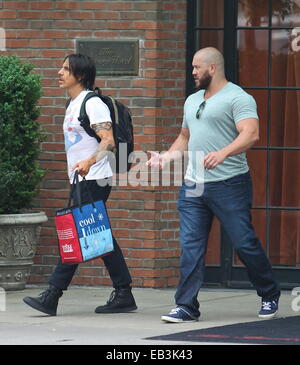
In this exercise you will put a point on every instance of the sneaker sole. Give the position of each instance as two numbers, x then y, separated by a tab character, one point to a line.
268	316
117	310
177	320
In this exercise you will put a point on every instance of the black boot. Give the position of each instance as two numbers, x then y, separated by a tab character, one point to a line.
121	301
47	301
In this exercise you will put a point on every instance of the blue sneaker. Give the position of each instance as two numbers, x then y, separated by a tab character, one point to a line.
177	315
269	308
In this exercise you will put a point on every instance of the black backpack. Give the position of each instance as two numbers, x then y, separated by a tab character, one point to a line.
122	129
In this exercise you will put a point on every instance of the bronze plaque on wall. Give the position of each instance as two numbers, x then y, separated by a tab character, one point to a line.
112	57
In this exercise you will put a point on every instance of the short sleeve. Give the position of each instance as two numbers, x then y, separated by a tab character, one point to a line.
97	111
184	122
243	107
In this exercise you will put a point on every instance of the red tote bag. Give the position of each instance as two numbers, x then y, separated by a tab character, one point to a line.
83	231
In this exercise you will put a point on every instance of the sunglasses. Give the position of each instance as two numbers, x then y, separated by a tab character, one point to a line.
200	109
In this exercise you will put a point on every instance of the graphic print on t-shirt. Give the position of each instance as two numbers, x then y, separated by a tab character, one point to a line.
71	136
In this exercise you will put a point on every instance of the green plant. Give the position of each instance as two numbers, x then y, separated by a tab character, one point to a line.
20	135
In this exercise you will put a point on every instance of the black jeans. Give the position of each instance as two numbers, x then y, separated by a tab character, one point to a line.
114	262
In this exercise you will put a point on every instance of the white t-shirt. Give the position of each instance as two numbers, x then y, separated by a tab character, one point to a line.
79	145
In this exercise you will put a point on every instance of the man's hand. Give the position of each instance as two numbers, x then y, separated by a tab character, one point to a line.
156	160
175	152
83	166
213	159
248	130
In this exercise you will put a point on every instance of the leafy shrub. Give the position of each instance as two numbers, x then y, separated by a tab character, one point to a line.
20	135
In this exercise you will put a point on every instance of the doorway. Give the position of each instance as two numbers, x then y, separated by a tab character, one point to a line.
260	40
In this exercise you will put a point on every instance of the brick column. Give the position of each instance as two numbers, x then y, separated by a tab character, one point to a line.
144	218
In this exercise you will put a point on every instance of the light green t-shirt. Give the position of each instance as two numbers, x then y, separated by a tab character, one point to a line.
215	129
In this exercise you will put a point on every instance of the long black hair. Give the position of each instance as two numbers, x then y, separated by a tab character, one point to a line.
83	68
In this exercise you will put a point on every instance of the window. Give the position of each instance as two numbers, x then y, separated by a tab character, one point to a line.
260	40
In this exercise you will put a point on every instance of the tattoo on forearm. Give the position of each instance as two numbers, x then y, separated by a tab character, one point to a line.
101	126
103	150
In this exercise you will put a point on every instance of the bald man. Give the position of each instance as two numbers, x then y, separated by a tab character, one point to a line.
220	123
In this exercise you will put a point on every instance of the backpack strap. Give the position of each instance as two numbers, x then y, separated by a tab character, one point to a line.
84	118
68	103
113	102
82	113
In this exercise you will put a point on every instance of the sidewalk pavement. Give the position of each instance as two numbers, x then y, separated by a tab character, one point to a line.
77	324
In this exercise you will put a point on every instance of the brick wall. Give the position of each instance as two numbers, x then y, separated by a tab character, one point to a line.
144	218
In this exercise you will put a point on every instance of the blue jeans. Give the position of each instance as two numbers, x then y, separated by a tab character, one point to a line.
230	201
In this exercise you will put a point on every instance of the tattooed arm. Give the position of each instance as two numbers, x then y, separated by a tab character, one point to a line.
104	131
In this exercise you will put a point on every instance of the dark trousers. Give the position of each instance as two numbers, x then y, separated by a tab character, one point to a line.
114	262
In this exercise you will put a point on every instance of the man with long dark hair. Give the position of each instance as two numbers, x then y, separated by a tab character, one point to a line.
89	157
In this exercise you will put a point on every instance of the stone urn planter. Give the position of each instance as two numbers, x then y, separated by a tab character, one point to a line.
19	234
20	169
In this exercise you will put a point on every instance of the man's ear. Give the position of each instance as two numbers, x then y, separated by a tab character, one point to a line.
212	69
